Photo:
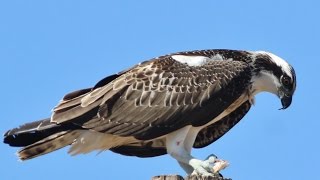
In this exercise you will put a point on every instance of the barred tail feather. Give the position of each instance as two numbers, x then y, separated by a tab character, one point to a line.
41	137
49	144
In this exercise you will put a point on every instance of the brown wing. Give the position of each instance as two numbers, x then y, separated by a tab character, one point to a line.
205	137
213	132
158	97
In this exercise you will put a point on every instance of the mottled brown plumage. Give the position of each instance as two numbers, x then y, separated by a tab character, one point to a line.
131	112
158	97
204	138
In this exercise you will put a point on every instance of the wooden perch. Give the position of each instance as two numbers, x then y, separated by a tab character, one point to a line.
193	177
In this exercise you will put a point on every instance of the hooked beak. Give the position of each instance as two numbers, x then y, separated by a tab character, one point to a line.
286	100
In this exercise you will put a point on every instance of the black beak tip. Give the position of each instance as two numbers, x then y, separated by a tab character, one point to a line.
286	102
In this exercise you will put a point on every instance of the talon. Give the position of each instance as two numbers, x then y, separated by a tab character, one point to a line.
211	158
214	165
219	165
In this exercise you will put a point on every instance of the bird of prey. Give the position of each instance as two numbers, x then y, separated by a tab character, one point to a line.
169	104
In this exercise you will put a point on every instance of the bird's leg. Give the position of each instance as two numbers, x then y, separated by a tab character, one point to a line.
179	145
187	161
186	167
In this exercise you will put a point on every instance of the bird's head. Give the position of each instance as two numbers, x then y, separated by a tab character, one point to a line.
274	75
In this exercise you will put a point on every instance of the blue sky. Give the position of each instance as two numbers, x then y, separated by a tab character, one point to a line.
48	48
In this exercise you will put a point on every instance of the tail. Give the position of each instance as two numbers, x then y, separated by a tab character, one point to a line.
40	137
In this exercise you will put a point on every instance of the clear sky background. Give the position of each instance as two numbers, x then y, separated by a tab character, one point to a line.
49	48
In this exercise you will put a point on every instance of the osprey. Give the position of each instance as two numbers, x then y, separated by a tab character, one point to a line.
169	104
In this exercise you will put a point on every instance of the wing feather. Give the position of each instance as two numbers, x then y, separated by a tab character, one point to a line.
204	138
213	132
158	97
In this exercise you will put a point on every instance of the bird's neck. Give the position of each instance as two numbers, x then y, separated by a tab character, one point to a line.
264	81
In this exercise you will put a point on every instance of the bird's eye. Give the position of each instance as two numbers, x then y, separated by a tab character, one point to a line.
285	81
